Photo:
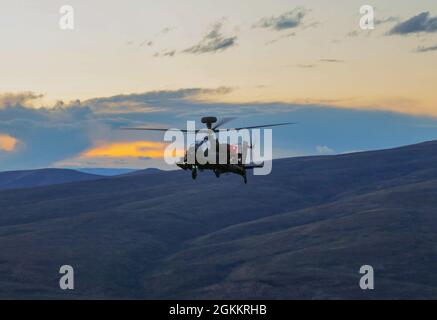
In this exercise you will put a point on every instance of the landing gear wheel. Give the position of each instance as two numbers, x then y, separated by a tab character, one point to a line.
245	179
194	173
217	173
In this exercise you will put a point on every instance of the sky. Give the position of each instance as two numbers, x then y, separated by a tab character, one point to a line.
64	94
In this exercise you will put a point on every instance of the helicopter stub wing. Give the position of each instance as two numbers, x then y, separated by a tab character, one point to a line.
253	165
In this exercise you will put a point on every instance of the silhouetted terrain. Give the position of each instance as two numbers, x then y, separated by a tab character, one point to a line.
106	171
144	171
301	232
41	177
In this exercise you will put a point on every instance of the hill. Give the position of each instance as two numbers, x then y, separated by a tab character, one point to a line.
41	177
107	171
301	232
143	172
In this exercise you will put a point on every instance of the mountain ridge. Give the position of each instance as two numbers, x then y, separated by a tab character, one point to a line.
41	177
302	232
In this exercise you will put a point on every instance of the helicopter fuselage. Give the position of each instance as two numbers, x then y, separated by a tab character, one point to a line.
233	162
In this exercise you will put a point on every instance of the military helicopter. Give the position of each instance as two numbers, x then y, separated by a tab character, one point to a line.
235	155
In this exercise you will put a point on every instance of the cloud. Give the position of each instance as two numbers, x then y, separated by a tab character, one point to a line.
152	101
147	43
423	22
378	22
391	19
331	60
324	150
23	98
306	66
280	38
127	149
426	49
289	20
47	134
63	131
86	133
213	41
353	34
166	30
7	143
165	53
132	154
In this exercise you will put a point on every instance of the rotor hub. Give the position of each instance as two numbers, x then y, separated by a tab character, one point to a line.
209	121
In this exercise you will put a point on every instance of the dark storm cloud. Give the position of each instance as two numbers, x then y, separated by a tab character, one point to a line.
213	41
423	22
289	20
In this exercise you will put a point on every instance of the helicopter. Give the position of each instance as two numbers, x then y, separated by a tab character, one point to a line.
235	155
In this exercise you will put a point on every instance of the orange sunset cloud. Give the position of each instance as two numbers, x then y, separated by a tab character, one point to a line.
7	143
128	149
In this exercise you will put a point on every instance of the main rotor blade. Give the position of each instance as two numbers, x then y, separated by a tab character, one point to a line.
158	129
265	126
222	121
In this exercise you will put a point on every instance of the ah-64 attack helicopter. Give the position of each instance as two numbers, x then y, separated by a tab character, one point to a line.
235	156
